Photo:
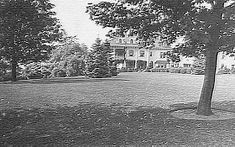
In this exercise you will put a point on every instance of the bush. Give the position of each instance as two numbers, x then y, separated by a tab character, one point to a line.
32	71
35	75
185	70
6	77
232	71
198	71
160	70
223	71
174	70
148	70
100	73
114	71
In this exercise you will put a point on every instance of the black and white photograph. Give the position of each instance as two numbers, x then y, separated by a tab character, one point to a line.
117	73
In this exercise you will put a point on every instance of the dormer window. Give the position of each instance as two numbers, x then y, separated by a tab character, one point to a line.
141	53
131	53
131	41
162	55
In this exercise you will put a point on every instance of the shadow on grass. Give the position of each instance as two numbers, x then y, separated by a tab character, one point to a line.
217	105
62	80
99	124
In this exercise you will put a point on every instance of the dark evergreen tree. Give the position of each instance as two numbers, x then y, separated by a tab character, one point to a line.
28	29
99	60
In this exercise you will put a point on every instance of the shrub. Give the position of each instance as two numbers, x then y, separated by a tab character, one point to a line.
198	71
232	71
36	71
174	70
6	77
160	70
56	72
100	73
185	70
223	71
114	71
35	75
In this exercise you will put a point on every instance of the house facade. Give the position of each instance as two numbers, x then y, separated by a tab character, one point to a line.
130	54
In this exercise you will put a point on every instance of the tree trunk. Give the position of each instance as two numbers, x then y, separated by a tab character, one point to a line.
13	70
204	105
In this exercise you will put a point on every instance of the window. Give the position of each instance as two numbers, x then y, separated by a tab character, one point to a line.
176	65
131	53
131	41
120	40
141	53
187	65
162	54
151	54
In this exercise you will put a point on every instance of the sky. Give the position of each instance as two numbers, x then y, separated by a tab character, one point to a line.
75	21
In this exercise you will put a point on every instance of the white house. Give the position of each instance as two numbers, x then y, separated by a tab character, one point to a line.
132	55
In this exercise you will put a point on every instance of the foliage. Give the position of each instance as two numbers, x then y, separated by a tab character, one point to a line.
160	70
68	58
198	67
28	29
224	70
174	70
36	70
169	20
185	70
3	67
232	71
99	62
5	73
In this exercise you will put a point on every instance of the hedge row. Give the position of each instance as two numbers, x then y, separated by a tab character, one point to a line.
173	70
226	71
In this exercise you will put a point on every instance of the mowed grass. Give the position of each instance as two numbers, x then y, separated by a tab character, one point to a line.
147	89
130	110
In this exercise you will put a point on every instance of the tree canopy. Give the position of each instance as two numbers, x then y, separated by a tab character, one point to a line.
28	29
208	27
99	63
69	57
170	19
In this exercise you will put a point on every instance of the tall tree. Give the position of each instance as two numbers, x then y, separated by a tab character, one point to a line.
28	28
98	61
207	25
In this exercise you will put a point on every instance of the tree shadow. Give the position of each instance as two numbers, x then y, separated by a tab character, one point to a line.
216	105
63	80
92	124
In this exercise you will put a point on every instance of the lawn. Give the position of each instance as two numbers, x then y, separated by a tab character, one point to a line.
147	89
131	109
